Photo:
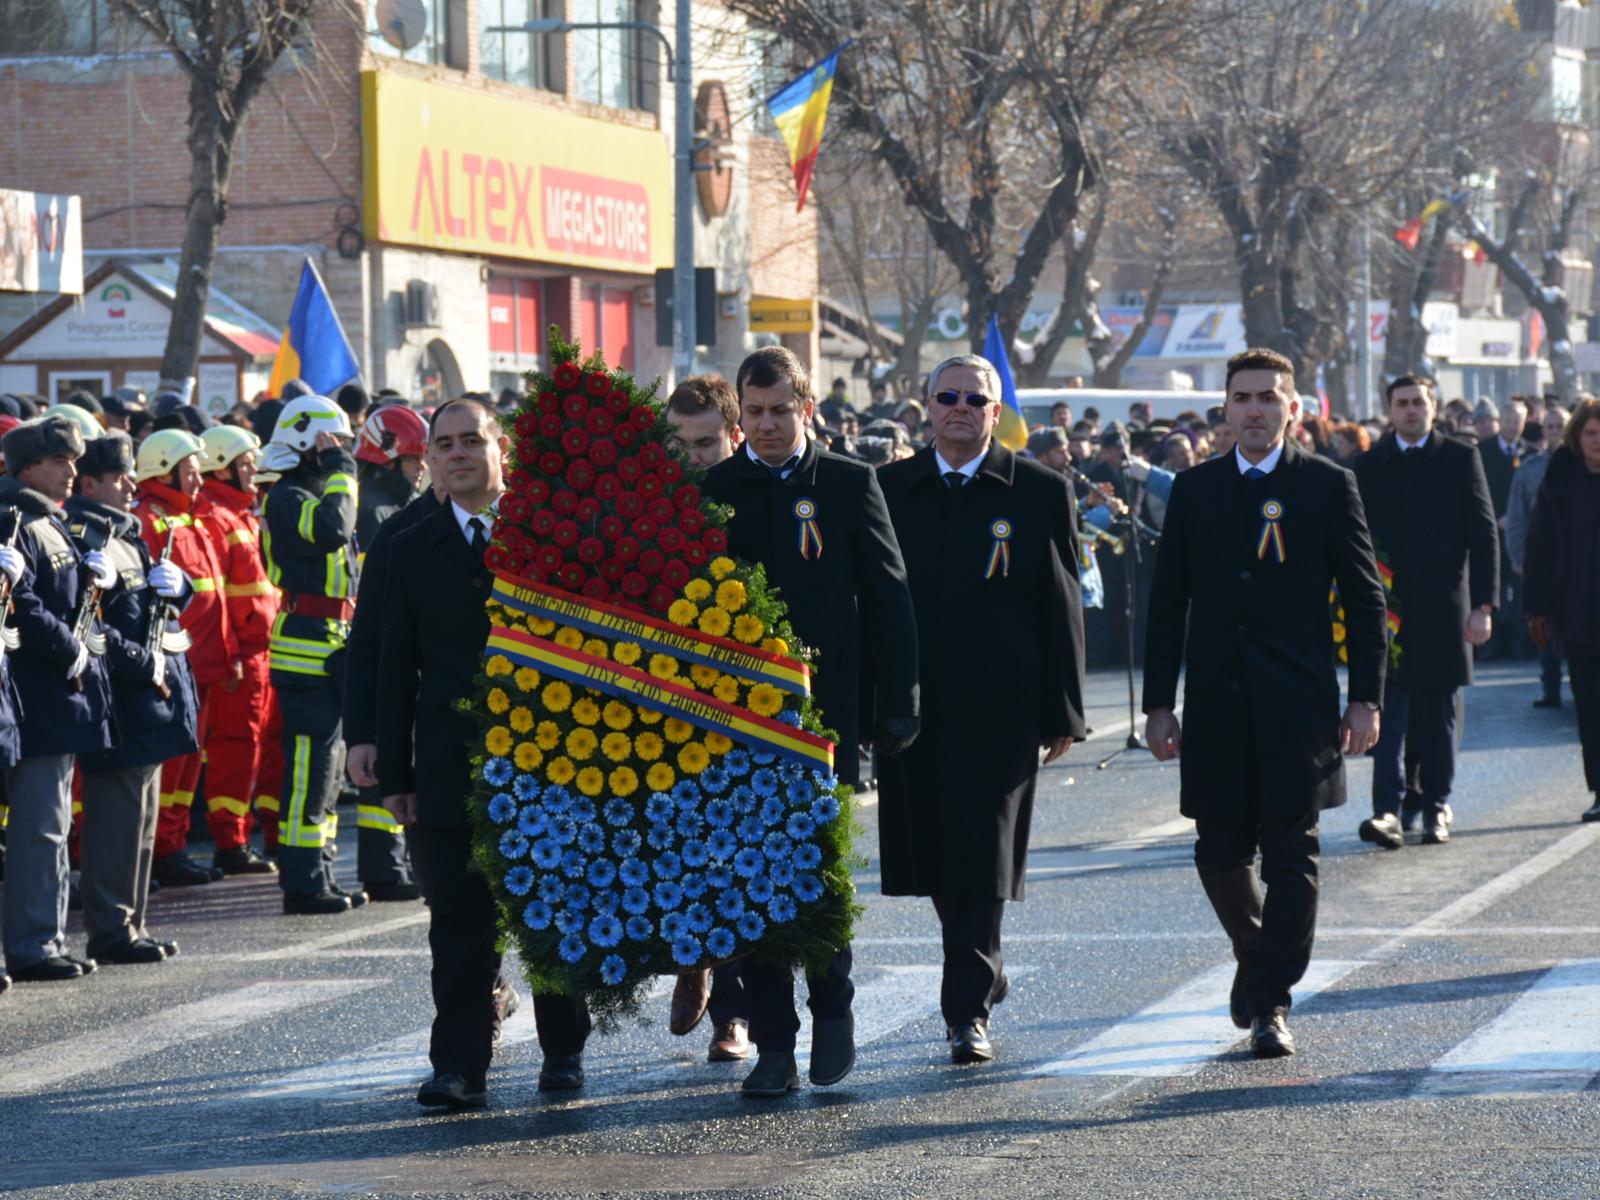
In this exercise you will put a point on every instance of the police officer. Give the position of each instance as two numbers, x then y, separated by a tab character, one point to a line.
310	524
155	705
64	693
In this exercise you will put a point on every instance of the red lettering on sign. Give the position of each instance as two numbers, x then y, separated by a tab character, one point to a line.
595	217
453	224
522	203
424	179
472	166
494	198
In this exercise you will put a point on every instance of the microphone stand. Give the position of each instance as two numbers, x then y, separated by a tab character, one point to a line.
1137	530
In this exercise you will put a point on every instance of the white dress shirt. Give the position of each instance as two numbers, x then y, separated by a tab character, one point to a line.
1266	466
969	468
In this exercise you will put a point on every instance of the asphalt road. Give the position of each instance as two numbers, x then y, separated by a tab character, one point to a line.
1449	1032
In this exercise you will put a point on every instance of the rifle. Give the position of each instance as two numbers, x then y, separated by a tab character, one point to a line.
91	533
157	636
10	639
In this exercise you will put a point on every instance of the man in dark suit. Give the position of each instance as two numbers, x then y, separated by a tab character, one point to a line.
991	546
818	524
435	629
1252	544
1502	453
1433	525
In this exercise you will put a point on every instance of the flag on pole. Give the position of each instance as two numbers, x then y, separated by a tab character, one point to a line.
1409	234
800	110
314	347
1012	429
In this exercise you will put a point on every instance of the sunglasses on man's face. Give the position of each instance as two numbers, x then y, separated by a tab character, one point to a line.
950	399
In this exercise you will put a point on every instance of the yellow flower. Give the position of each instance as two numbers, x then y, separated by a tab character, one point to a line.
748	629
557	696
765	699
591	781
586	712
704	676
569	637
678	731
498	665
721	567
648	746
649	716
663	666
731	595
693	759
595	648
498	701
616	746
727	689
659	777
581	743
617	715
497	740
623	781
527	678
697	590
715	622
775	646
560	771
548	735
540	626
528	756
718	743
626	653
521	718
682	612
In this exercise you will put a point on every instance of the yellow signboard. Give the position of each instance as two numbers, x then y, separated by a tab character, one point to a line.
466	171
771	315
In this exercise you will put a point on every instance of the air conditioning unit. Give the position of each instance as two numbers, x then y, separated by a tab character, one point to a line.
421	308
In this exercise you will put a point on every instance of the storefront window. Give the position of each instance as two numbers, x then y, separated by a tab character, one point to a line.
519	58
65	27
608	60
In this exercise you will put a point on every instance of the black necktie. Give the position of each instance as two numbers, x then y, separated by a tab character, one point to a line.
477	538
954	480
789	464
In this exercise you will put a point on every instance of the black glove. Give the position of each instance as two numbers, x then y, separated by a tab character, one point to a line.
895	735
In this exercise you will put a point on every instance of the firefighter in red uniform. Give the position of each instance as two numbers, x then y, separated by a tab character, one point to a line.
242	762
169	480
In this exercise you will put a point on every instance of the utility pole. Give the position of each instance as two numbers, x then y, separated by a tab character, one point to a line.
683	306
1364	404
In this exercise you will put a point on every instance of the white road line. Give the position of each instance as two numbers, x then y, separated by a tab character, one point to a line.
1212	935
1181	1033
342	938
47	1067
1547	1042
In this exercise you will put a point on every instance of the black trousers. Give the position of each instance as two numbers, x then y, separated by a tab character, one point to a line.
1584	676
770	993
972	960
462	932
1271	936
728	1002
1414	762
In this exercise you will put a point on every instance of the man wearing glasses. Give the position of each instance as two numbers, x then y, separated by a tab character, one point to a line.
991	549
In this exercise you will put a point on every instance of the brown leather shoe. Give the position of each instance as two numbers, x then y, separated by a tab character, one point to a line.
730	1042
689	1000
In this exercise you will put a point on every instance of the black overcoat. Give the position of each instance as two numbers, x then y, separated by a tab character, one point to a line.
1255	638
857	581
1002	671
1433	523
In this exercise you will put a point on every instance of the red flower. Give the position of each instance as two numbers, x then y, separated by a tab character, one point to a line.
627	549
527	450
612	569
535	574
716	540
672	470
672	540
651	561
602	453
548	558
692	521
661	598
629	469
527	424
596	588
537	491
695	553
687	497
607	486
623	435
634	584
520	480
516	511
551	463
644	529
675	575
571	576
618	402
599	422
612	528
588	510
565	534
549	403
495	559
649	485
598	385
652	455
630	505
544	522
575	442
660	510
567	376
580	475
565	502
550	425
574	407
643	418
591	550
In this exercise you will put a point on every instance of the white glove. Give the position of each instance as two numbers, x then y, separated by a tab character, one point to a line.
159	673
1137	468
105	575
12	563
79	663
168	581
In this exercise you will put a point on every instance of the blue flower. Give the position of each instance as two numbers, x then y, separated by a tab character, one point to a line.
714	780
576	896
591	839
808	888
572	948
536	914
633	872
719	943
674	926
519	881
668	894
640	929
751	829
660	836
765	781
737	762
788	772
626	844
763	758
502	808
749	862
782	872
776	845
658	808
689	825
546	853
800	791
686	951
800	826
790	716
557	799
572	864
668	866
760	889
564	830
782	908
533	821
582	809
721	844
699	917
686	794
825	783
720	813
695	853
497	772
824	809
601	872
718	876
569	921
771	810
526	787
693	886
605	931
612	970
618	812
751	926
742	799
606	901
635	900
730	904
807	856
551	889
513	844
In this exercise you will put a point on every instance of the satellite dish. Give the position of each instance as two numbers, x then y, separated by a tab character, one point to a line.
402	23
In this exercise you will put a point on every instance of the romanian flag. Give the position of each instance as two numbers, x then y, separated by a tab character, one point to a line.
801	112
1012	429
314	347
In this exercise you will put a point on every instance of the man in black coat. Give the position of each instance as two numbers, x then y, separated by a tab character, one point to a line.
1501	449
1252	544
818	524
434	632
1433	525
990	544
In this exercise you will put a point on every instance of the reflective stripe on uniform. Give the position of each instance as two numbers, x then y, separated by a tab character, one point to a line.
180	798
293	831
259	588
238	537
307	525
267	804
373	816
273	572
238	808
340	484
204	583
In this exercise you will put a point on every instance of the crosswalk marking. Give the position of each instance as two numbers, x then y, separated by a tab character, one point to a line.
1181	1033
50	1065
1548	1041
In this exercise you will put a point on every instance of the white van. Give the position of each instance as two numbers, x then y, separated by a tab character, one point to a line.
1113	403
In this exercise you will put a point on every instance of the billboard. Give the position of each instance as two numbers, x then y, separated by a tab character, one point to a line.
41	242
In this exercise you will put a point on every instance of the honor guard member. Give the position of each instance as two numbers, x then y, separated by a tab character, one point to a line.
168	471
308	544
817	523
63	691
155	704
243	763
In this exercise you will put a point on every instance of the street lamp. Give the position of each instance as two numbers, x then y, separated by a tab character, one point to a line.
678	74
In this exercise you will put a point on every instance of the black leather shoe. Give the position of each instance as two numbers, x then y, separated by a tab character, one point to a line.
1383	831
833	1049
451	1091
132	953
357	898
168	946
5	983
1435	828
315	904
561	1073
86	966
1270	1036
1592	813
47	970
391	893
1002	989
1238	1002
773	1075
969	1043
1547	702
179	870
243	860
